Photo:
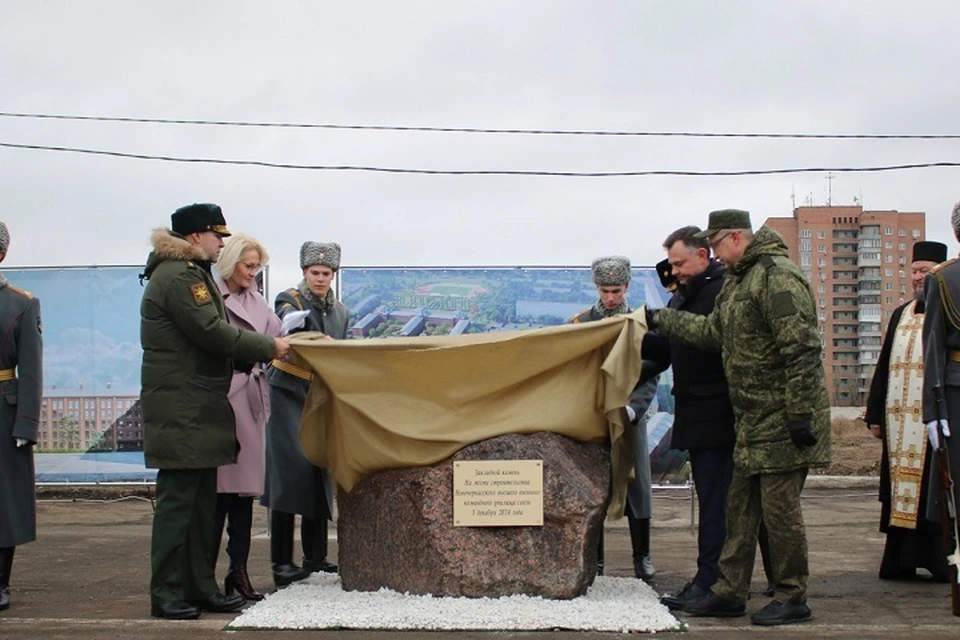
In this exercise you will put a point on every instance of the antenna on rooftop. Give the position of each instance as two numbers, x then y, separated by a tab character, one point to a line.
829	188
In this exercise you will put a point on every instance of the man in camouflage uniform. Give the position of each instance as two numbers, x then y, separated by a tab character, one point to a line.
765	326
611	275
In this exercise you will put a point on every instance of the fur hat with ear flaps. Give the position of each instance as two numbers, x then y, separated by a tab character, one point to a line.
611	271
325	253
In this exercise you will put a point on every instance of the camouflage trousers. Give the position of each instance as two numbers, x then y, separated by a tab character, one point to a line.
773	498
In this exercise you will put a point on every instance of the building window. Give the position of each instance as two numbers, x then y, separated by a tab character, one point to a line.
903	246
804	259
804	233
805	245
888	231
889	300
888	286
888	244
823	303
888	273
822	248
903	233
820	288
889	258
821	235
902	274
915	233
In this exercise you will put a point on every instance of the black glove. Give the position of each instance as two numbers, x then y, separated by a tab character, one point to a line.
652	317
801	433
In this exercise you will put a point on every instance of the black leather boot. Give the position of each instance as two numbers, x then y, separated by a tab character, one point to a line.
600	555
238	581
281	550
6	566
313	535
640	542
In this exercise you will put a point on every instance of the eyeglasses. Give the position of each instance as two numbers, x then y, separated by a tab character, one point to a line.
713	244
252	266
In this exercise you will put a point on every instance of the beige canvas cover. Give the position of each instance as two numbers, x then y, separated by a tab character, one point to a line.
398	402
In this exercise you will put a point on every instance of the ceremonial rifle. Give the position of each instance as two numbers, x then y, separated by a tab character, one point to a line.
948	507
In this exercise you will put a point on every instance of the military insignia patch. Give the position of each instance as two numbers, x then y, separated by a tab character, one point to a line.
782	305
201	295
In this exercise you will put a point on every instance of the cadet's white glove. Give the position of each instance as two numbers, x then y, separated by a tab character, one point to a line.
20	441
631	414
933	432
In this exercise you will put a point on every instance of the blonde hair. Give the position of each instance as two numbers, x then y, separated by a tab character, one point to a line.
233	249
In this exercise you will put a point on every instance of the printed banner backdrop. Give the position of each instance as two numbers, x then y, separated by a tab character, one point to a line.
90	428
411	301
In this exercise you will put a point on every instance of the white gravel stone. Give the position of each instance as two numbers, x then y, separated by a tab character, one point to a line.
319	602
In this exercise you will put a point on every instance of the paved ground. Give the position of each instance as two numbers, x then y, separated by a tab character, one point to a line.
86	577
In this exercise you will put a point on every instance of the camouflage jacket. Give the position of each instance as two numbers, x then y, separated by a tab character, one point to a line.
765	325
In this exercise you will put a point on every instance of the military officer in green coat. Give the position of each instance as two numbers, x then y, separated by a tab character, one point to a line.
21	385
765	326
189	355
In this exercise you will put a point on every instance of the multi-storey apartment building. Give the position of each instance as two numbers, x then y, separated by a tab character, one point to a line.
76	423
858	263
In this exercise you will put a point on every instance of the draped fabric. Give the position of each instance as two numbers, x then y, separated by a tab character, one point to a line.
905	433
400	402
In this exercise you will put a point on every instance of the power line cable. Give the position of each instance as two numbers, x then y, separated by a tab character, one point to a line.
549	132
481	172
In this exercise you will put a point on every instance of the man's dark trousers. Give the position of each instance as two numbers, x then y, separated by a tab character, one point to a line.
182	530
712	471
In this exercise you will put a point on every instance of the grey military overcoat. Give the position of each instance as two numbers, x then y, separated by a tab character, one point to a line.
640	488
292	483
20	349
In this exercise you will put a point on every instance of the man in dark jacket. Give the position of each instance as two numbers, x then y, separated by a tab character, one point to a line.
611	275
189	353
703	420
912	539
21	385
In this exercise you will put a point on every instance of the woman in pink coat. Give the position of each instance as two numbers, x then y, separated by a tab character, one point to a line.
237	484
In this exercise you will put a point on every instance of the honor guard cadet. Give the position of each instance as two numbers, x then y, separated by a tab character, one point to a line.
611	275
941	402
189	354
765	326
294	485
21	385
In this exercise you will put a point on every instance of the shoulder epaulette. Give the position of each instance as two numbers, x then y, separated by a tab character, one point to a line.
26	294
942	265
293	293
577	316
950	307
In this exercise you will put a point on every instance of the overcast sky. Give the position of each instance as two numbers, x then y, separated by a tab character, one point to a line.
805	66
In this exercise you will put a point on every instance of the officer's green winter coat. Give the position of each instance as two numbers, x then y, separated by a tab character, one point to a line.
188	353
766	326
